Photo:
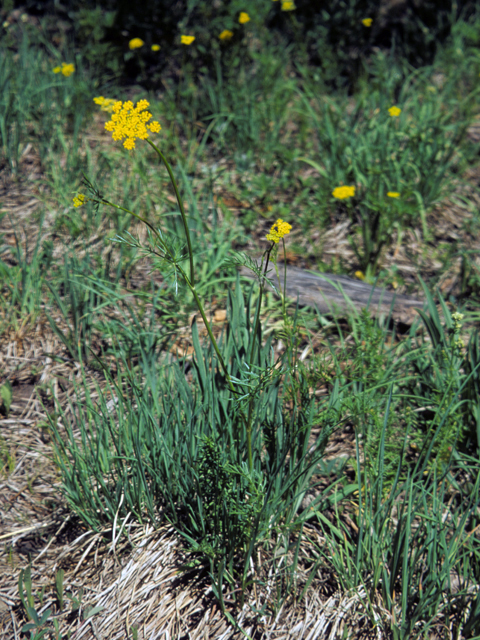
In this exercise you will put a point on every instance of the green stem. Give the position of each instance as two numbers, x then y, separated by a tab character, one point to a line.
116	206
252	351
210	333
191	286
257	320
180	206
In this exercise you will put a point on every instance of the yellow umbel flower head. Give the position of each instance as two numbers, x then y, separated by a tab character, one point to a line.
65	69
131	122
136	43
341	193
187	39
367	22
79	200
394	111
393	194
226	34
243	18
278	230
288	6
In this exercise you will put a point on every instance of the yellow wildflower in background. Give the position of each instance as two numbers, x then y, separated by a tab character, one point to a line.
187	39
393	194
136	43
131	122
288	6
226	34
359	275
155	47
79	200
278	230
243	18
341	193
367	22
106	104
394	112
65	69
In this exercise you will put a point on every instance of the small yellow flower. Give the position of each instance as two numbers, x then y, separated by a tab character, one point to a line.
288	6
393	194
341	193
68	69
359	275
243	18
278	230
79	200
136	43
131	122
106	104
156	47
187	39
65	69
226	34
394	112
367	22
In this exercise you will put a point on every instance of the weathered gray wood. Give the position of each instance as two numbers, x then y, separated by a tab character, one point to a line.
336	295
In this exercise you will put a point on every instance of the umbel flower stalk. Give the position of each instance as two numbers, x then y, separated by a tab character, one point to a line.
127	124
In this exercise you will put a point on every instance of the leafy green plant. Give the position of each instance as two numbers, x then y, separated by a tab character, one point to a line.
35	102
225	453
23	281
394	148
37	626
82	293
411	561
444	379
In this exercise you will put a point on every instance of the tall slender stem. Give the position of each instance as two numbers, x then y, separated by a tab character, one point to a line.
252	352
181	207
191	285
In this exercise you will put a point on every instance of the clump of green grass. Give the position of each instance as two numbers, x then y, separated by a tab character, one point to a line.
226	444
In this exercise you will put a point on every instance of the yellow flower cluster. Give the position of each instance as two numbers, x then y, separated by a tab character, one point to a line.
136	43
65	69
393	194
79	200
226	35
394	111
156	47
187	39
278	230
106	104
131	122
243	18
341	193
288	6
367	22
